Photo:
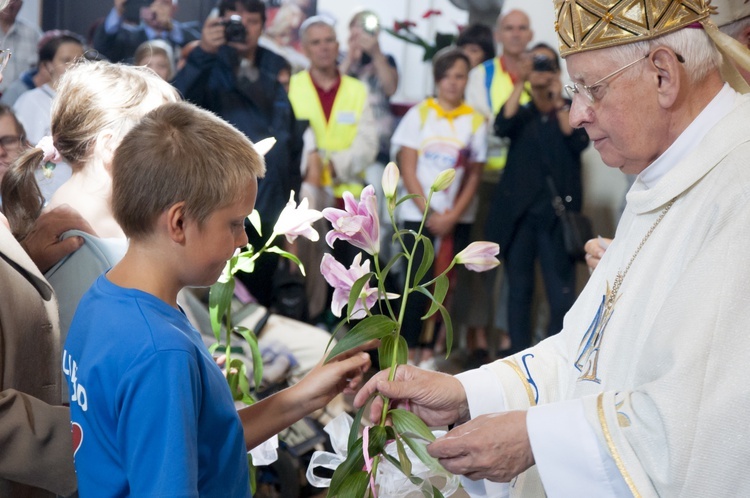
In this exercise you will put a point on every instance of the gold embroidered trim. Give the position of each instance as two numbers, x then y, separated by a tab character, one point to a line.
525	382
612	449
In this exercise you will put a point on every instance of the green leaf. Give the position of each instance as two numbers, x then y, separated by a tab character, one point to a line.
403	457
387	269
219	302
377	440
254	219
406	422
243	385
372	327
436	493
213	347
446	319
354	432
354	485
285	254
406	198
255	350
441	290
427	259
245	262
385	351
420	449
355	293
354	462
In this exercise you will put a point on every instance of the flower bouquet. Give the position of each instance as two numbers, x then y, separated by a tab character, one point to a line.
403	31
398	431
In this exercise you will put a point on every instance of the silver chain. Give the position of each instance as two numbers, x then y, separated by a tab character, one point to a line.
621	274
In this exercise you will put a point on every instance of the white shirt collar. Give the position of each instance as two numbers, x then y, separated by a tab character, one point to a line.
720	106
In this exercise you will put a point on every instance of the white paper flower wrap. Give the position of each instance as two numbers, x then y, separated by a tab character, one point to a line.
390	481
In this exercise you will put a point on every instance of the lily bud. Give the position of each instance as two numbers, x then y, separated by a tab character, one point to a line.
479	256
390	180
444	180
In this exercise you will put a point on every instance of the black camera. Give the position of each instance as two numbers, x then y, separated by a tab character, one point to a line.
234	30
542	64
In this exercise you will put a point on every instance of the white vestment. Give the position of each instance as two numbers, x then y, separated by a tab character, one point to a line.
664	402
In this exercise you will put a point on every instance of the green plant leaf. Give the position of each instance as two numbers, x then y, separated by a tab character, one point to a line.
420	449
245	262
219	302
436	493
377	436
403	457
254	219
213	347
354	432
446	319
427	259
243	386
441	290
372	327
249	336
354	485
285	254
406	198
406	422
385	351
354	462
355	293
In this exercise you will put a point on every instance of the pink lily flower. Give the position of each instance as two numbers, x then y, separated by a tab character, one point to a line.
357	223
295	221
342	281
479	256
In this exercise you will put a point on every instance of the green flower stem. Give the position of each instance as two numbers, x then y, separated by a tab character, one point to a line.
450	267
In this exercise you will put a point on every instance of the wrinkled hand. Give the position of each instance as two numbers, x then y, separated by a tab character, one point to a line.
494	447
595	249
43	242
342	374
441	224
437	398
212	35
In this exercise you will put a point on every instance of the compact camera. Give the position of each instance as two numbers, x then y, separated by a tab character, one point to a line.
234	30
542	63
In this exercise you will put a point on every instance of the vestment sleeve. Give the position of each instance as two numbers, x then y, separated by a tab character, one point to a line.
37	446
158	402
350	163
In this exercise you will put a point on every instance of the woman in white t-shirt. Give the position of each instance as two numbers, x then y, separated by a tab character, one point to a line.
437	134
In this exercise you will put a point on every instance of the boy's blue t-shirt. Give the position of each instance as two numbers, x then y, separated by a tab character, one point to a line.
151	411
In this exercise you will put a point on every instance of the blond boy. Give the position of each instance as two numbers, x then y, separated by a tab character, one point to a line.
152	413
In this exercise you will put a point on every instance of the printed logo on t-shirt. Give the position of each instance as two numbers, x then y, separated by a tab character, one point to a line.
77	391
77	431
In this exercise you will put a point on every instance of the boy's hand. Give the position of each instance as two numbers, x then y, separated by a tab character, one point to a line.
342	374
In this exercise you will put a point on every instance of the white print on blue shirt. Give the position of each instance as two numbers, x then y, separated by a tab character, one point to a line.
77	392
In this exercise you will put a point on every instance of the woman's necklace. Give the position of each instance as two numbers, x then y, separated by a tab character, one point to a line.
588	357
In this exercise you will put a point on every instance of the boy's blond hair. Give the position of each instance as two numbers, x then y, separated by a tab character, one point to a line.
179	153
92	97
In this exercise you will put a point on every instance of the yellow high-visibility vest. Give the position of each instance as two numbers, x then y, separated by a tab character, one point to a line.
499	86
339	131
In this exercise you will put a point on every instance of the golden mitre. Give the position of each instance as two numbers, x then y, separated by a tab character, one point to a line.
584	25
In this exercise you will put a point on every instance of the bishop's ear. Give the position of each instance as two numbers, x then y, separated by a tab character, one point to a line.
670	74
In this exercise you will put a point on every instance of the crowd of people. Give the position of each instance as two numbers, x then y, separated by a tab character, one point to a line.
127	171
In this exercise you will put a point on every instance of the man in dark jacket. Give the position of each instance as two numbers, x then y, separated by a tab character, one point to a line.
237	81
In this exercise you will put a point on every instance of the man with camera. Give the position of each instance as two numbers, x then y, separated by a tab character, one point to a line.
230	74
544	162
132	22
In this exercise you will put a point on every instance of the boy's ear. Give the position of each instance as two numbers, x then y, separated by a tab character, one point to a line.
176	222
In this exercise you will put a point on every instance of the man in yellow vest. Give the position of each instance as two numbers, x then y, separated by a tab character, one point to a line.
491	83
337	108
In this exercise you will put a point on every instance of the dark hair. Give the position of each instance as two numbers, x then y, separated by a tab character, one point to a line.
547	47
478	34
20	130
51	41
445	59
253	6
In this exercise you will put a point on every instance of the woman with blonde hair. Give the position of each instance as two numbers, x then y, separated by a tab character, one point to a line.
97	103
